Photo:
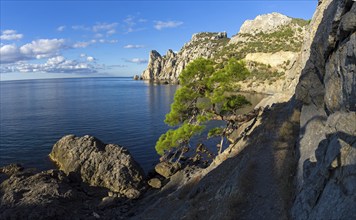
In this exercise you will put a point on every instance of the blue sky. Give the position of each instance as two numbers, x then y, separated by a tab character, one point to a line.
50	39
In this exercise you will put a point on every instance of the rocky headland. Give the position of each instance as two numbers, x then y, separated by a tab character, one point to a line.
293	158
270	45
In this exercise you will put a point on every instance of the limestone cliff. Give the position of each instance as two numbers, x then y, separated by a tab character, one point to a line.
169	66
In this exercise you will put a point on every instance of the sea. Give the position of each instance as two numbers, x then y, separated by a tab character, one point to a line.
35	114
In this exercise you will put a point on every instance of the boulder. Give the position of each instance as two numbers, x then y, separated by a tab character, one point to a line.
155	183
166	169
106	165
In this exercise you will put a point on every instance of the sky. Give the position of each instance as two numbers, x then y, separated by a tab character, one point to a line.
62	39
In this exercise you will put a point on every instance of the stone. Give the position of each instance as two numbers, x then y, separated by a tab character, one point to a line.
155	183
11	169
166	169
136	77
106	165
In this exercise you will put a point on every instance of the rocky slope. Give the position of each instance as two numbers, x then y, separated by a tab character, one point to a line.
312	137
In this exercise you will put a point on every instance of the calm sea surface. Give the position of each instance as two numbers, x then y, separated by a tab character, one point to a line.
36	113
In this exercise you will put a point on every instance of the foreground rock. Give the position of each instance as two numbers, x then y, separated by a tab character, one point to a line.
25	194
109	166
155	183
166	169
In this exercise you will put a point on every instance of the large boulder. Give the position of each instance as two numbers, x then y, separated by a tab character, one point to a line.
106	165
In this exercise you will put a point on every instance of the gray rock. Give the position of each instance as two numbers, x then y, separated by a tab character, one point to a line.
155	183
109	166
169	66
166	169
327	146
45	195
11	169
265	23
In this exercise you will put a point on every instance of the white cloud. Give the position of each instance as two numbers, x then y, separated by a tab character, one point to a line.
131	23
42	48
10	35
108	41
90	59
111	32
38	49
136	60
159	25
61	28
104	27
57	64
82	55
10	53
80	28
55	60
116	66
132	46
83	44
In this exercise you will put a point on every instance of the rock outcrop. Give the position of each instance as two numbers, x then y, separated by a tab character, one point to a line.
25	194
110	166
326	177
266	23
169	66
51	194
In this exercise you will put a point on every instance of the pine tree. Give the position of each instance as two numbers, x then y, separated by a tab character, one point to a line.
206	93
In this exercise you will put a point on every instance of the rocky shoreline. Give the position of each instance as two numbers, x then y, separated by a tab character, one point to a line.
94	180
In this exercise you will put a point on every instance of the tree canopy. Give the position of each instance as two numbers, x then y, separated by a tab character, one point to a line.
207	92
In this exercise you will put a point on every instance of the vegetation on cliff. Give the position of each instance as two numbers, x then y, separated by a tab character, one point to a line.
206	93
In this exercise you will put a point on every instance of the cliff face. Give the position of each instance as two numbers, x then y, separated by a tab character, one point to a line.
327	88
169	66
265	35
